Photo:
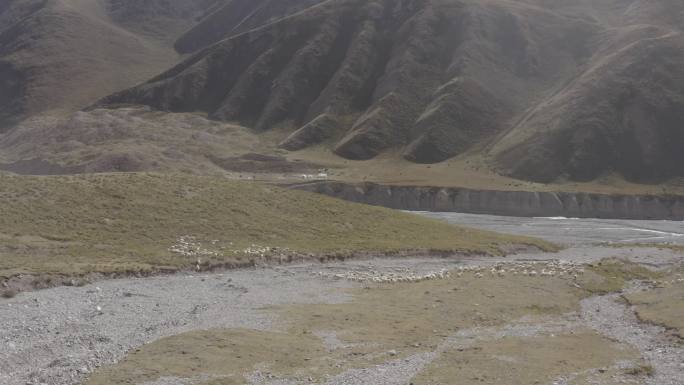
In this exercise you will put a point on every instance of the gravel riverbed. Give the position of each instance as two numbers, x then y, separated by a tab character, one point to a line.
60	335
613	318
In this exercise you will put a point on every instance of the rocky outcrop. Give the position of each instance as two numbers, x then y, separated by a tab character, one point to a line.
510	203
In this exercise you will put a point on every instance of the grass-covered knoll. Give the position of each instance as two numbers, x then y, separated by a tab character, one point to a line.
663	305
522	360
129	222
225	355
611	275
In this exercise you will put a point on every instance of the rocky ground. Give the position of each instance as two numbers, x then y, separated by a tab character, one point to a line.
102	332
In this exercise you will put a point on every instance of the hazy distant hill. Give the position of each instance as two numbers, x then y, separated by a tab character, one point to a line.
65	54
540	89
572	88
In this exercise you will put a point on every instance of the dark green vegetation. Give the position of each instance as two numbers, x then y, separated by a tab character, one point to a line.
129	222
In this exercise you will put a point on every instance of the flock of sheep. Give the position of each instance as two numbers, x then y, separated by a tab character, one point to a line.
378	277
319	176
530	269
188	246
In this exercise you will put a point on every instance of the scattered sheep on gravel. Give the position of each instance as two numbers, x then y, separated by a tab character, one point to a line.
379	277
530	269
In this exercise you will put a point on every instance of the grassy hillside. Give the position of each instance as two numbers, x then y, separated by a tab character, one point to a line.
142	222
63	55
57	56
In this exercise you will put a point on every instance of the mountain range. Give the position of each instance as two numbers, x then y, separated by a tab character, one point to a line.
542	90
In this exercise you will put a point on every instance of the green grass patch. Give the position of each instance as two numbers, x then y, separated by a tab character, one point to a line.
641	370
664	304
524	360
227	355
611	275
129	222
412	316
660	246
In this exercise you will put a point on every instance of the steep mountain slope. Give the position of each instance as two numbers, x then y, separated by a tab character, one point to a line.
546	90
63	54
541	90
385	73
624	113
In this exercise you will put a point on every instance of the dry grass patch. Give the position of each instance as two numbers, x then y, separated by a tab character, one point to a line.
225	356
128	222
393	321
523	360
641	370
470	170
611	275
661	246
662	305
412	317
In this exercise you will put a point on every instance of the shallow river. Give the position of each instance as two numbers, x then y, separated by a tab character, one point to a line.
573	231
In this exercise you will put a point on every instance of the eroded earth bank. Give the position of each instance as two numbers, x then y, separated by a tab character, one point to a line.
514	203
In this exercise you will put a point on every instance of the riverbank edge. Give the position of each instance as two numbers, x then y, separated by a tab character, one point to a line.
505	203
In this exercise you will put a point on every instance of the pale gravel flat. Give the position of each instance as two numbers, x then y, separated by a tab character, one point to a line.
57	336
611	317
395	372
